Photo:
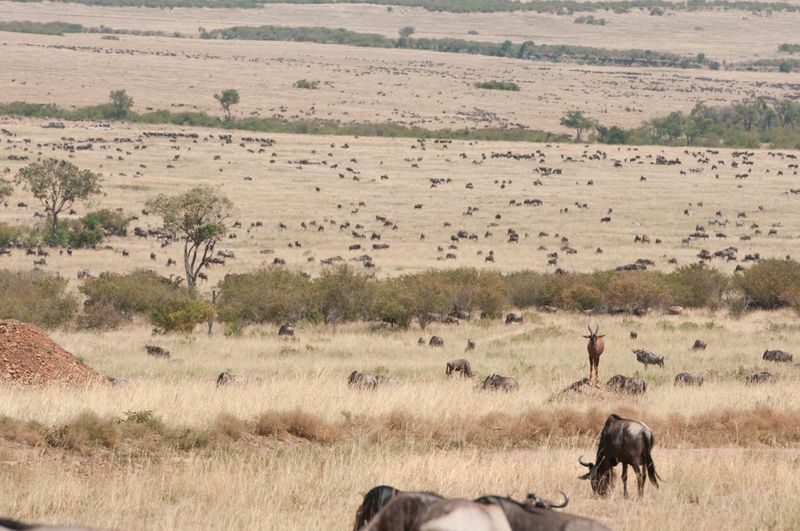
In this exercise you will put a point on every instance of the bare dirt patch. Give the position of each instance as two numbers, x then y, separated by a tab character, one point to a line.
28	355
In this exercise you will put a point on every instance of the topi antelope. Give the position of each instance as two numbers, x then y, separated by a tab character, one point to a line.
595	348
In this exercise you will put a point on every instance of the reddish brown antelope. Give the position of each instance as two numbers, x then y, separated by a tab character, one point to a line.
595	348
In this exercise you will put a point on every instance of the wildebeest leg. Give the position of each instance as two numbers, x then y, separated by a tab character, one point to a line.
625	478
640	477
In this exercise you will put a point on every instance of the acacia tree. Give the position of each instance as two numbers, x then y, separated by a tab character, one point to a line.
226	99
198	216
5	189
58	184
576	120
121	103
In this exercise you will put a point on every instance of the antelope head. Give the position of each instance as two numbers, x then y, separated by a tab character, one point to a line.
594	335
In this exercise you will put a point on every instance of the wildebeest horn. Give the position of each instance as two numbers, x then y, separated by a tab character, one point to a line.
562	504
584	463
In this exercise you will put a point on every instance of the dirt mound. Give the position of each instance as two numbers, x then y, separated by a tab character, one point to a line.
582	388
28	356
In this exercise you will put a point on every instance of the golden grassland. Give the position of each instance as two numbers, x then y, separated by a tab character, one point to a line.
718	34
667	206
290	446
427	89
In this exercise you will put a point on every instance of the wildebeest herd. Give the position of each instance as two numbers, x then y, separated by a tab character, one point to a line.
622	441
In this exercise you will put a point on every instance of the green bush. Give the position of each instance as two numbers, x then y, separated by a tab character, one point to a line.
638	289
180	315
36	297
9	235
269	295
529	289
697	286
342	294
770	283
497	85
306	84
112	223
138	292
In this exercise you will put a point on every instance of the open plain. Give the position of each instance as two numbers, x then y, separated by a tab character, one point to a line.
288	444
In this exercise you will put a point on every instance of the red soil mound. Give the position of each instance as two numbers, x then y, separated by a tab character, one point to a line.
28	356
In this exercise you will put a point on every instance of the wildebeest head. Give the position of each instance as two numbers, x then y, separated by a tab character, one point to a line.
594	336
601	476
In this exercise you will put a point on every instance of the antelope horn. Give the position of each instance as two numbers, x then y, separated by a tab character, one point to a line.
584	463
596	327
562	504
590	329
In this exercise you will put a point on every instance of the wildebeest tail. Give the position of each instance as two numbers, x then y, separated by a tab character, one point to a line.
648	460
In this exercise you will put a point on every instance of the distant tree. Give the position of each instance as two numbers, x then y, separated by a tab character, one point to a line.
785	67
227	99
407	31
576	120
524	49
5	189
198	216
121	103
612	135
58	184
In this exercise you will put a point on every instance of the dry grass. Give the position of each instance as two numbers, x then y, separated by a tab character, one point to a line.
291	446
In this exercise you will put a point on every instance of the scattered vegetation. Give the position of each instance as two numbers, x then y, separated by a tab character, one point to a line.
526	50
559	7
789	48
306	84
36	297
591	20
41	28
497	85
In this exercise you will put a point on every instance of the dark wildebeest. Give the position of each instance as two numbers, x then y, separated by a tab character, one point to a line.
436	341
688	378
760	377
699	344
6	523
634	334
470	345
460	365
495	382
625	441
378	497
779	356
626	384
595	348
416	511
157	351
225	378
286	329
645	357
513	318
359	379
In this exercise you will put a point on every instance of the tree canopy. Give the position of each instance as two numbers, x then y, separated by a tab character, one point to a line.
199	216
121	103
58	184
227	98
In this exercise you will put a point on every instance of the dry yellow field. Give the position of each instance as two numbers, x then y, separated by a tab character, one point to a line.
721	448
348	171
289	445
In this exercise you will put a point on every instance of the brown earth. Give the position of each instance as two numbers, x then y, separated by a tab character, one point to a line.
29	356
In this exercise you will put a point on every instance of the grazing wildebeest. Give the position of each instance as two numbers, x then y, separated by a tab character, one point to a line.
436	341
225	378
625	441
626	384
688	378
470	345
513	318
646	358
157	351
699	344
460	365
634	335
760	377
286	329
779	356
595	348
495	382
359	379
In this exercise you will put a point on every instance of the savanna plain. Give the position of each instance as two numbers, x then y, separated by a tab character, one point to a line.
288	444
